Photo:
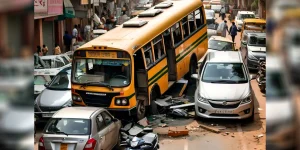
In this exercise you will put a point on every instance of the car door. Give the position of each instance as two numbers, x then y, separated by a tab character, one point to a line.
102	132
112	135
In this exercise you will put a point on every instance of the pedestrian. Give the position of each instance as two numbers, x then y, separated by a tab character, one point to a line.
223	13
233	31
45	50
39	51
74	35
222	29
57	50
67	41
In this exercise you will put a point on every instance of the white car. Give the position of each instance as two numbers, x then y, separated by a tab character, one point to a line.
218	43
56	61
216	5
281	124
223	87
241	15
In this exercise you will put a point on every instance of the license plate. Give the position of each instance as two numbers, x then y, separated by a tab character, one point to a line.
224	112
63	146
47	115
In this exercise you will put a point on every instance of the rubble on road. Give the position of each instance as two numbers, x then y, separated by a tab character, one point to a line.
177	131
144	122
212	129
259	136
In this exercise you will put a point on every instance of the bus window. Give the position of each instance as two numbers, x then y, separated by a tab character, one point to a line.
199	17
148	54
158	48
185	27
176	32
192	22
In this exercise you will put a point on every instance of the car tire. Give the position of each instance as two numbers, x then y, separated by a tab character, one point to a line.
141	110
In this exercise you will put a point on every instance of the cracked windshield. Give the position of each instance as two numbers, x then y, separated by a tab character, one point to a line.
114	72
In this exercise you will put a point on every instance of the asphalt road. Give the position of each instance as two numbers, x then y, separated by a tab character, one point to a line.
241	135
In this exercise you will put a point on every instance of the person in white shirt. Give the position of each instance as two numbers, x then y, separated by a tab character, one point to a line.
223	13
222	28
74	35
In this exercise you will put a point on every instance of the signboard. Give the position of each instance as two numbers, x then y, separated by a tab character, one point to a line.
55	7
40	6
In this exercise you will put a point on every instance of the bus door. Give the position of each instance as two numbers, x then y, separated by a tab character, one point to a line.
171	55
140	75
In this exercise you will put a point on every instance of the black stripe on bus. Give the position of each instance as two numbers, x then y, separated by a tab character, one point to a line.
158	76
130	96
194	45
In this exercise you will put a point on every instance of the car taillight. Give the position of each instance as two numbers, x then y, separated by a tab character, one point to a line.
90	144
41	144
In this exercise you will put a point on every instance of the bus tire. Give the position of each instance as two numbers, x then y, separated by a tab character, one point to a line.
141	110
153	105
192	68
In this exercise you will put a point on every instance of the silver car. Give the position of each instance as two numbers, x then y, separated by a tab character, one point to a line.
81	128
223	87
57	95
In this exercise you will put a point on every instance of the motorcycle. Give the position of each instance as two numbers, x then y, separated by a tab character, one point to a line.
147	142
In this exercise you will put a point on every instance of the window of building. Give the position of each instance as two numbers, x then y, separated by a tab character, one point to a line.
185	27
176	32
148	54
158	48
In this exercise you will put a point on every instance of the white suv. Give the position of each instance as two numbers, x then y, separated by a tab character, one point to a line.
241	15
223	87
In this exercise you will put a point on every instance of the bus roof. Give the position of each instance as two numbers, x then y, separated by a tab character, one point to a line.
127	38
262	21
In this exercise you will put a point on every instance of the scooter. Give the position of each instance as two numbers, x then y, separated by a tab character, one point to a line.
147	142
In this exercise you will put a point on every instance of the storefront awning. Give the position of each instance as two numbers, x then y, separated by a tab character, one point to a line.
69	11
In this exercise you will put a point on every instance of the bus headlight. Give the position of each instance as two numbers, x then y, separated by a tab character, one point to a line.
76	98
121	102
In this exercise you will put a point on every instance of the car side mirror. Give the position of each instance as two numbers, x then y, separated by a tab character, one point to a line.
195	76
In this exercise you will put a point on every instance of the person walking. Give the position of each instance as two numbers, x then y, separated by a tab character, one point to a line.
45	50
74	35
57	50
222	29
67	41
223	13
233	31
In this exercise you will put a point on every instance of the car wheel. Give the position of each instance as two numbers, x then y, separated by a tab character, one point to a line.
141	109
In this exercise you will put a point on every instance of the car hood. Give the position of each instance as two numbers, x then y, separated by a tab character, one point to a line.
274	114
216	91
53	98
38	88
257	48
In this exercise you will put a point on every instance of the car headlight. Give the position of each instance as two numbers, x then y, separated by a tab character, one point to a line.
68	104
76	98
202	99
246	100
251	56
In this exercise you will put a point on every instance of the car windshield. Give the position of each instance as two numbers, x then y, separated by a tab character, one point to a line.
224	73
257	41
54	63
60	82
220	45
245	16
112	72
41	79
68	126
275	87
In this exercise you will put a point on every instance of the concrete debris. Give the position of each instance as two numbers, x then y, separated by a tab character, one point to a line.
221	127
176	132
215	130
259	136
144	122
227	133
163	125
232	135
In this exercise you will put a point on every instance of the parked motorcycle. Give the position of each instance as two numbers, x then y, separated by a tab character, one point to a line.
147	142
261	75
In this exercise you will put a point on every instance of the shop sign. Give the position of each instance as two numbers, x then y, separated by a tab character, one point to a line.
40	6
55	7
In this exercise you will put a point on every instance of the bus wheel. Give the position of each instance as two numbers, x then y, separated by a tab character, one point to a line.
192	69
141	110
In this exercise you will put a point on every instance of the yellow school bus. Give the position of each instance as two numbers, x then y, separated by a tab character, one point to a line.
127	68
254	24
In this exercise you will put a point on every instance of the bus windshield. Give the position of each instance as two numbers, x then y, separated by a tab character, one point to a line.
112	72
